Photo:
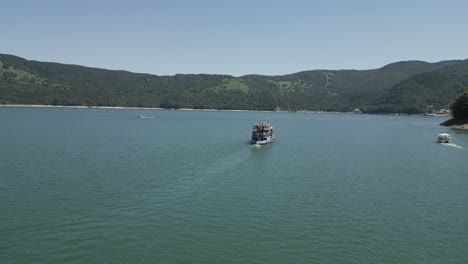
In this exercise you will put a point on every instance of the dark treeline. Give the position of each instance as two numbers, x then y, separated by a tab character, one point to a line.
460	105
405	87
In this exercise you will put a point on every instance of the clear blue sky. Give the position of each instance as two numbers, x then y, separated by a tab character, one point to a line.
234	37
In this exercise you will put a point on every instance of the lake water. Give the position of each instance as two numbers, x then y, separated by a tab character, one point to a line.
103	186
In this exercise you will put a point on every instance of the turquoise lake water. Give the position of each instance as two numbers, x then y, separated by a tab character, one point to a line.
103	186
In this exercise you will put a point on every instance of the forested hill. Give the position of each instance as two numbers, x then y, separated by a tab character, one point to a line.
398	87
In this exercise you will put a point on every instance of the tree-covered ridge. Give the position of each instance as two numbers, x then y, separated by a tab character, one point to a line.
436	88
398	87
460	105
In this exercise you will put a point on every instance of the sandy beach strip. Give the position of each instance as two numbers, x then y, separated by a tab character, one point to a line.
127	108
78	106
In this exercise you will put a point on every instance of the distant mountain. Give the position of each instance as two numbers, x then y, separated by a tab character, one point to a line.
407	86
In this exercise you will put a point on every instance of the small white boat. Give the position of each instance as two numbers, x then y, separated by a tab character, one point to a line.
262	133
443	138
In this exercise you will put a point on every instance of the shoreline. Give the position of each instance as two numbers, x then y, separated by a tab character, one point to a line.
210	110
75	106
460	127
126	108
456	123
158	108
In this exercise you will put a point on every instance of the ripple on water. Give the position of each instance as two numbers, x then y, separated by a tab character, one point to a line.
114	189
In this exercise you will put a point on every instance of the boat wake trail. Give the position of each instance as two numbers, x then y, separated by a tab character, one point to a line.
452	145
229	163
146	117
223	163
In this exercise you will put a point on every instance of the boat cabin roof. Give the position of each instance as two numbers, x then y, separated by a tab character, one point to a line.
444	135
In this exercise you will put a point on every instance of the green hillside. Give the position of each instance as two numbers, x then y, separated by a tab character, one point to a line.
460	106
398	87
437	88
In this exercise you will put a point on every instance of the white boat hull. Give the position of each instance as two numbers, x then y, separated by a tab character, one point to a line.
443	141
263	142
443	138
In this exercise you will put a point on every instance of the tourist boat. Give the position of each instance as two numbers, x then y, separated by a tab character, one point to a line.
262	133
443	138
